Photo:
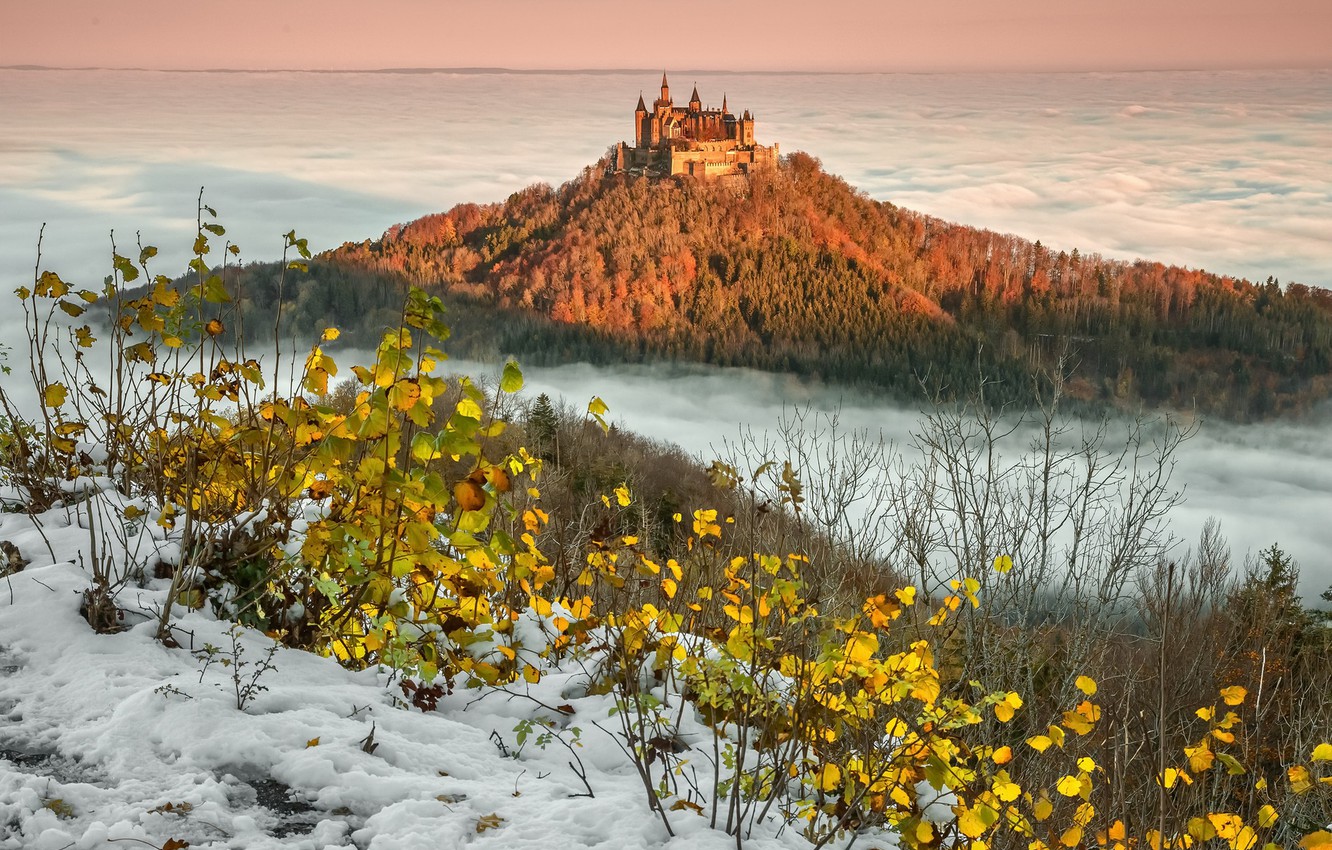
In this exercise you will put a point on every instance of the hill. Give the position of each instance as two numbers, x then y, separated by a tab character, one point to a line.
799	272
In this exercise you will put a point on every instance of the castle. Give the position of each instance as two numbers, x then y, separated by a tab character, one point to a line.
692	140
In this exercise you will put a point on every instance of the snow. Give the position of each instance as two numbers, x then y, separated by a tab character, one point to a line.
121	741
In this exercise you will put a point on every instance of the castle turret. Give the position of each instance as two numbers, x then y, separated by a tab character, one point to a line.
725	111
640	118
694	103
665	98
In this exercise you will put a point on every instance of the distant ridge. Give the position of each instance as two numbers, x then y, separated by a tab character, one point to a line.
478	70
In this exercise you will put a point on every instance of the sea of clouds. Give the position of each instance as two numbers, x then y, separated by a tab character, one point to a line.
1222	170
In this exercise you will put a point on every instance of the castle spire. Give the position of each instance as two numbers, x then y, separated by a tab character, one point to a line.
724	109
665	89
693	98
642	107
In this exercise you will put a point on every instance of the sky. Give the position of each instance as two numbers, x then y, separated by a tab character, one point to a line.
846	35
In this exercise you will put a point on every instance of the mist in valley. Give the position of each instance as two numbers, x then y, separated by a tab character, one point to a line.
1222	170
1267	483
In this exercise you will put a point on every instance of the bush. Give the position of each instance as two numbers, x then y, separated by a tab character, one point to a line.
395	521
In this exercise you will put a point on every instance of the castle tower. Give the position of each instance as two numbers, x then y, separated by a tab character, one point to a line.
695	105
640	121
665	99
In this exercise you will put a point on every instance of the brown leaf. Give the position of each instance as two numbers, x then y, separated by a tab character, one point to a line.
469	494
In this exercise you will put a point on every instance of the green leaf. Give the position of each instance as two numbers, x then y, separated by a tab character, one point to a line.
512	380
214	291
215	229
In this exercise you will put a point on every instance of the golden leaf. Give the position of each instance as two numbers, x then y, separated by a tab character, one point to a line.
55	394
1070	786
1320	840
490	821
829	777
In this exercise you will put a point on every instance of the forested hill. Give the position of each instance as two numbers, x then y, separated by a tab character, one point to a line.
798	271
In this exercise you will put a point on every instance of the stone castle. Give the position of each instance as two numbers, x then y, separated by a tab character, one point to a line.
706	143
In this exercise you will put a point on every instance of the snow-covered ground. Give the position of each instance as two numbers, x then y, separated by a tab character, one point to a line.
119	741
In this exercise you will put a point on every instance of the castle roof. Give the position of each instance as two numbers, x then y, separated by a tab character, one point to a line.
642	107
693	98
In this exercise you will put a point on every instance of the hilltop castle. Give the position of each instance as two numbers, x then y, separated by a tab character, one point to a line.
692	140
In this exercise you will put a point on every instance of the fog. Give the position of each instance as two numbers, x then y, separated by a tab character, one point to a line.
1223	170
1266	484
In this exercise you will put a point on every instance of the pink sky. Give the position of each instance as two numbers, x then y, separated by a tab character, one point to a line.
868	35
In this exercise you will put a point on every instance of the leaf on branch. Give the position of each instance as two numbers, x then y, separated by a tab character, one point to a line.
512	379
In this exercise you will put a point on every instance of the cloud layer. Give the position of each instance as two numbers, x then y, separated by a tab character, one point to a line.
1223	170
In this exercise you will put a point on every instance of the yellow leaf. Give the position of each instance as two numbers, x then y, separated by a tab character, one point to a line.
1322	752
1299	778
490	821
1118	832
1042	808
1003	755
622	496
1071	836
1071	786
1320	840
1200	757
1039	743
860	647
906	595
1234	695
531	674
1003	563
331	334
1086	764
313	742
829	777
1004	788
1087	685
924	833
971	825
1172	776
55	394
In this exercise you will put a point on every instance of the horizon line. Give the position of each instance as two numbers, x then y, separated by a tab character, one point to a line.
499	70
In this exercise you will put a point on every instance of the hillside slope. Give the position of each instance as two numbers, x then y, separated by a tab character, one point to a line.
799	272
